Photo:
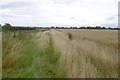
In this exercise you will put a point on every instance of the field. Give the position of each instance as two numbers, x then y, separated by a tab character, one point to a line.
60	53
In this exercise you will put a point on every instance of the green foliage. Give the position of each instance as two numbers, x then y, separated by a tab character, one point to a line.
7	26
97	27
35	62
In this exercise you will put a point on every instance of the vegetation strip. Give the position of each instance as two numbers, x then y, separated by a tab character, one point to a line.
35	61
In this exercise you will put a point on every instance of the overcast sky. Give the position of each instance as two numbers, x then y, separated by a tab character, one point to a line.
59	12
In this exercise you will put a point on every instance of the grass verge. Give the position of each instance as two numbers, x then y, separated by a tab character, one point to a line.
34	62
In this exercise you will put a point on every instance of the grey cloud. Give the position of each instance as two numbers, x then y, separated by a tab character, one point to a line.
111	17
42	11
110	25
16	8
72	17
14	5
7	16
65	2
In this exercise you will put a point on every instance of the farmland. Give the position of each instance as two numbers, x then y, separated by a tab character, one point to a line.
60	53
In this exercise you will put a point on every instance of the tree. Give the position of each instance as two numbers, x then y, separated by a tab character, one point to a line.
7	26
97	27
103	28
52	26
82	27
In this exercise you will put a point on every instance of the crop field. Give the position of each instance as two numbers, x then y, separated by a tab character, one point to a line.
60	53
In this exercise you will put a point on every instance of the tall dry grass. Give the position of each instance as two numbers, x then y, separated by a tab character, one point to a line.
10	49
106	37
90	54
30	54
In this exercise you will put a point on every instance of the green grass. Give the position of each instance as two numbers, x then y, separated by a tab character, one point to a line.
0	28
35	62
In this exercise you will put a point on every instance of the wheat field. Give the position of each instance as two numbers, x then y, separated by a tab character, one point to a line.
89	53
60	53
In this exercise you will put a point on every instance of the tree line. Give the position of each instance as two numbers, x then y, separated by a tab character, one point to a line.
7	26
88	27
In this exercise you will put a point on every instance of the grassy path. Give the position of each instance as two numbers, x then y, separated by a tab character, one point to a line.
36	61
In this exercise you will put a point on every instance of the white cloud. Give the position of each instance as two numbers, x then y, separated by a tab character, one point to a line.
59	12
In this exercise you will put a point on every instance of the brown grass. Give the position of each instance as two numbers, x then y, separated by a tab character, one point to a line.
90	54
12	56
106	37
70	36
43	38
